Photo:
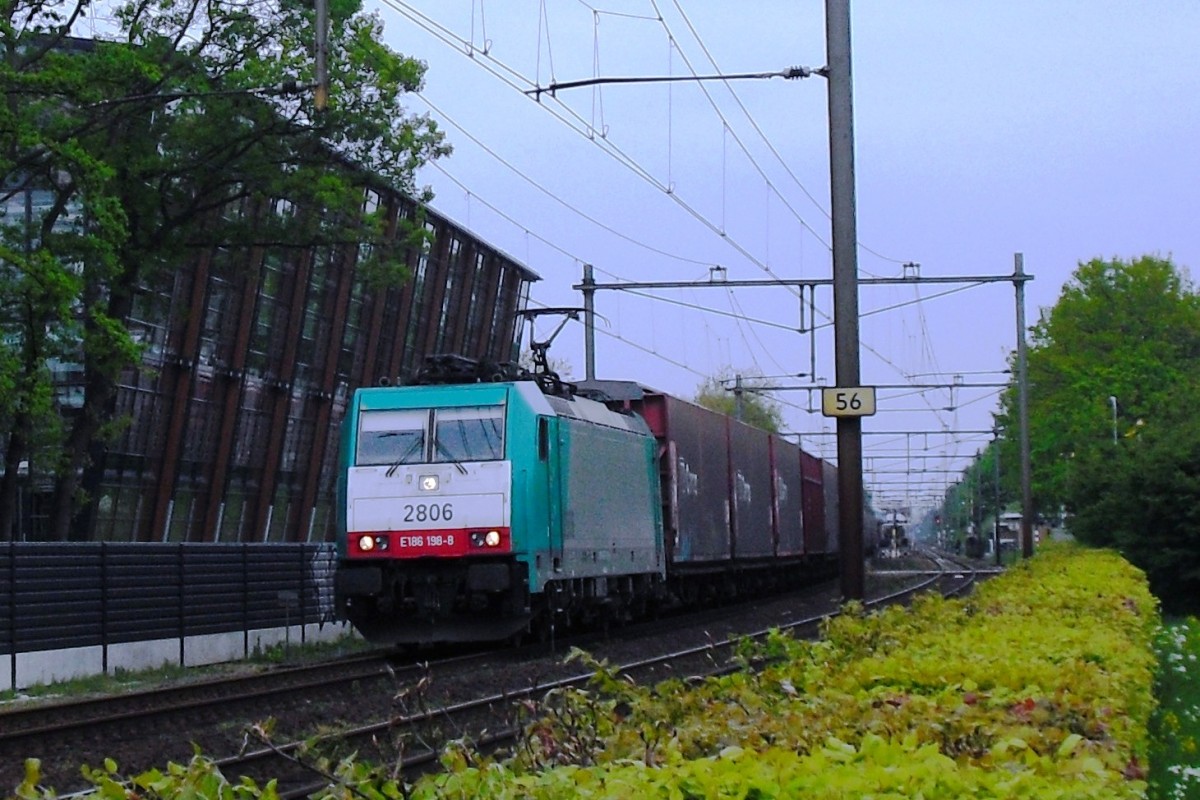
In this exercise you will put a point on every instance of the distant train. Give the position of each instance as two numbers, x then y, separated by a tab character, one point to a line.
484	503
893	536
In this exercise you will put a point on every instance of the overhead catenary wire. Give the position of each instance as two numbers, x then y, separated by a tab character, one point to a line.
796	72
758	129
740	316
566	117
447	36
680	365
562	113
564	203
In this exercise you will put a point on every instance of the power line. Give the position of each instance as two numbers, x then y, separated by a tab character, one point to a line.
754	124
565	115
574	209
449	38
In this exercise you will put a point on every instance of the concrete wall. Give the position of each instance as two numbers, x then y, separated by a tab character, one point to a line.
44	667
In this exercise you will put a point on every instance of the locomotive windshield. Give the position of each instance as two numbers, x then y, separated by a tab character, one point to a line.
471	433
391	437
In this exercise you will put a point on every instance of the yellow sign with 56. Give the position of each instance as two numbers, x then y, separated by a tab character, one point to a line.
847	401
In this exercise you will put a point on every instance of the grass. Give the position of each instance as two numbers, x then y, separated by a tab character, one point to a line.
119	680
124	680
1175	726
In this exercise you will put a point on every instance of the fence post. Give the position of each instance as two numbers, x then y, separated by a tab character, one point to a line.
12	609
182	628
245	603
104	607
303	586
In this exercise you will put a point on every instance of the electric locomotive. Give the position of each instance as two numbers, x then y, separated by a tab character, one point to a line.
482	503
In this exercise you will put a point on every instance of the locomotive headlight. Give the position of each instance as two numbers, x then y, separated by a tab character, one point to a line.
429	483
485	538
370	542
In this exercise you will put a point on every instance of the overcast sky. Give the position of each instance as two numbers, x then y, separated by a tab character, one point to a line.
1064	131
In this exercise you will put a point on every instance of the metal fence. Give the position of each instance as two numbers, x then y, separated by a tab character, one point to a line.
56	596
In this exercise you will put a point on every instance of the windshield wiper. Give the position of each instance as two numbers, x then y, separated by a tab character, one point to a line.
441	448
412	448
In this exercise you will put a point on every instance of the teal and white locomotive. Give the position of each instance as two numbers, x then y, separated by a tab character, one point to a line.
481	509
483	502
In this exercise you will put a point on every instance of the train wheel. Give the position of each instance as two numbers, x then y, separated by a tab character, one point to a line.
541	625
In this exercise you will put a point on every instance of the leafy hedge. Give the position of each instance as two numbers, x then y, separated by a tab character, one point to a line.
1039	686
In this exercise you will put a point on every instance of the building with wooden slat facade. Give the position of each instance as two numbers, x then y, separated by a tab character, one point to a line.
250	357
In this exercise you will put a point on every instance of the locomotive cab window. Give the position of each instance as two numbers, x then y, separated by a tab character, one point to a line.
391	437
468	434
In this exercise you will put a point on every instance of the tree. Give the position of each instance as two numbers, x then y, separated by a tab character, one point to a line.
976	497
1116	358
1123	332
170	137
736	396
1142	497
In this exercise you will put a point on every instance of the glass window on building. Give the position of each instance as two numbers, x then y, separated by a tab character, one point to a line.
478	298
445	326
496	349
277	523
353	344
370	201
266	313
315	333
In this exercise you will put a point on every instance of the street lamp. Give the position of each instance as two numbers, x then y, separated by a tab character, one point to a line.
996	527
1112	400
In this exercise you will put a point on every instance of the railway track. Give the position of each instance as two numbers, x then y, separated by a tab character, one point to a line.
492	721
394	712
42	720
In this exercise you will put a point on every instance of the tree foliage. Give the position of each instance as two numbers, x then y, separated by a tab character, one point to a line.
169	134
1141	496
976	497
1113	368
736	395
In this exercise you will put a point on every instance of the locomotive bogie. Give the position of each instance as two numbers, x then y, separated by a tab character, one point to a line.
429	600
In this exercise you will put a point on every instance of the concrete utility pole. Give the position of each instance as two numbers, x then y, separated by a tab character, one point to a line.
845	292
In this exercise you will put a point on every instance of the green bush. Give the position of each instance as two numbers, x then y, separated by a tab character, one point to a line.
1039	685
